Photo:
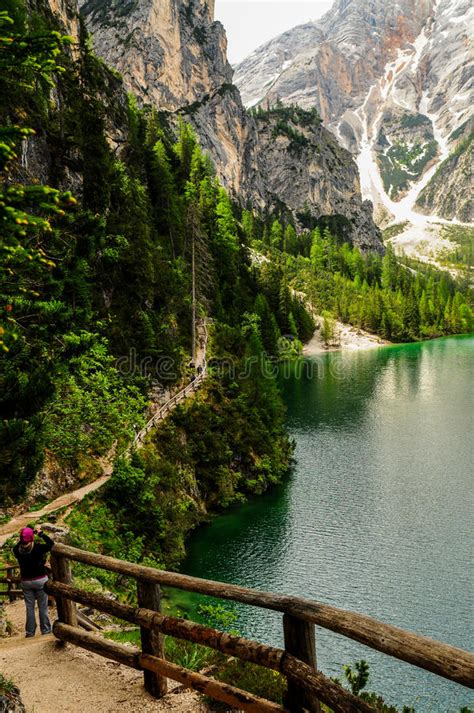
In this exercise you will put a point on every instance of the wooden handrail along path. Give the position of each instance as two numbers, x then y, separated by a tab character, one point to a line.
307	687
178	397
10	580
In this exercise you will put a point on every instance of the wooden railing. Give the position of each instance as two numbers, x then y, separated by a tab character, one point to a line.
307	687
10	577
181	395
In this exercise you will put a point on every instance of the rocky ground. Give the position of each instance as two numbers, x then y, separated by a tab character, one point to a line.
57	678
428	243
346	338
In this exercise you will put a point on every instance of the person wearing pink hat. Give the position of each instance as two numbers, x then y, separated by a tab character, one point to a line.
31	556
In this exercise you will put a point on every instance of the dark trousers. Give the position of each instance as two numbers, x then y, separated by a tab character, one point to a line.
33	590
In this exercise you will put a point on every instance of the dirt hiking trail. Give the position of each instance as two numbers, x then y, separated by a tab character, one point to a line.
61	678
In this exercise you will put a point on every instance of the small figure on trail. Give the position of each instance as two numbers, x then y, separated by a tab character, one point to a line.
199	369
31	556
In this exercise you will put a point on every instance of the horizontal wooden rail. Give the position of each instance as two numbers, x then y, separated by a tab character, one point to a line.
135	659
10	580
176	399
12	593
439	658
314	682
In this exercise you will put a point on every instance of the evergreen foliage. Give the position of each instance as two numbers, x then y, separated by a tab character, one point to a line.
288	121
399	299
213	452
288	113
27	58
107	283
402	164
89	285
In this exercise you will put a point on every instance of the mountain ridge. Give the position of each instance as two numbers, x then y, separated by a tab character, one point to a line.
366	65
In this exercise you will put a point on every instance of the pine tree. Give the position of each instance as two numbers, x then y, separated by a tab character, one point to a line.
248	226
411	315
260	385
456	322
268	325
447	313
317	252
276	235
284	307
184	149
425	311
225	247
467	318
385	329
389	269
290	240
328	328
164	197
226	237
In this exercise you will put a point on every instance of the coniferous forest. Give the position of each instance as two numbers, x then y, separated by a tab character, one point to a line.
100	274
106	275
400	299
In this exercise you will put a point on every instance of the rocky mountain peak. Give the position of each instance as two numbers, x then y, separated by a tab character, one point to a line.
393	81
343	51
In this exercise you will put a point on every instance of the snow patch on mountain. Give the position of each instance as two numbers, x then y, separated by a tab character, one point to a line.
365	64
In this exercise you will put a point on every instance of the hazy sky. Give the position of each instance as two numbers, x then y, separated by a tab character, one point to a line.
250	23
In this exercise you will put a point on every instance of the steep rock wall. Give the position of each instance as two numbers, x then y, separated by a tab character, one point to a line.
172	55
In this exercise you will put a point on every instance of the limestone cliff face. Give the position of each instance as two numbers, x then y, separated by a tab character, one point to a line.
172	55
66	15
334	61
38	160
169	52
312	174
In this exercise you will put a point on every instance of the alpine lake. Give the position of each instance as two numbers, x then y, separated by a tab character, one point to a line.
376	516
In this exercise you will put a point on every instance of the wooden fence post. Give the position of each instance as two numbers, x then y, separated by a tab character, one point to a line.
149	597
61	569
10	585
300	641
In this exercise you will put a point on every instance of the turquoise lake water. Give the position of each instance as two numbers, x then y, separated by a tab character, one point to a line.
377	516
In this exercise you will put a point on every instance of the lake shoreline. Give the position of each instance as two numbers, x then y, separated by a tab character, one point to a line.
347	338
368	520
